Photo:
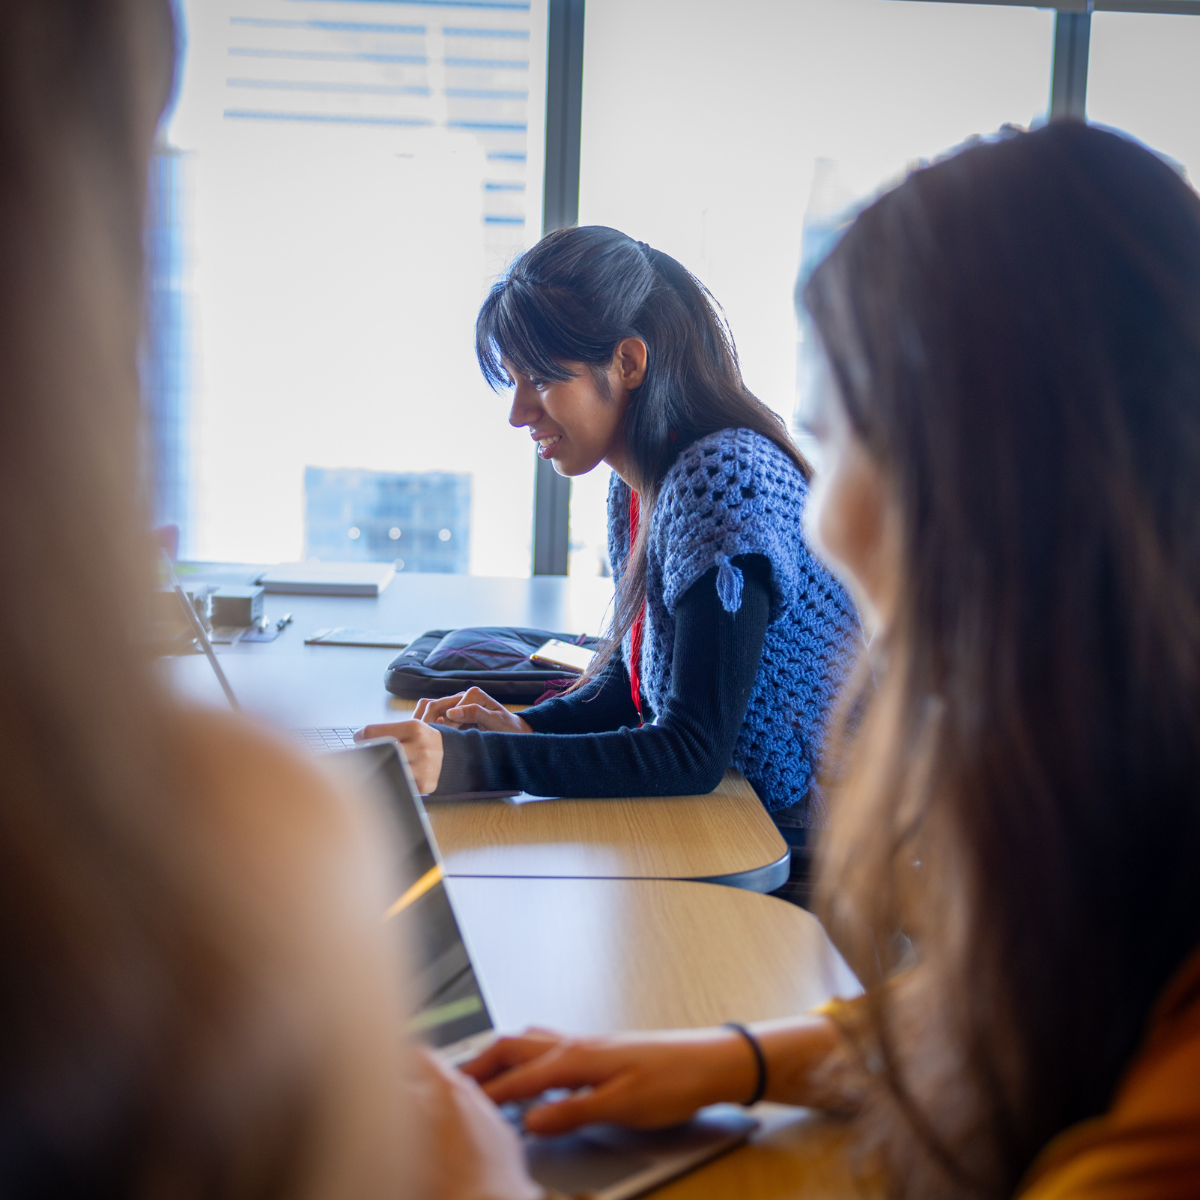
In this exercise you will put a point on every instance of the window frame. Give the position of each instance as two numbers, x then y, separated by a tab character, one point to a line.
564	103
560	208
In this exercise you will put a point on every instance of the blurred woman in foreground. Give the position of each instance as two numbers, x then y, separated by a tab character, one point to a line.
1011	430
197	996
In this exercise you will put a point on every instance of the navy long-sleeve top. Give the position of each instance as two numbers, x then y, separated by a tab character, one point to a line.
588	742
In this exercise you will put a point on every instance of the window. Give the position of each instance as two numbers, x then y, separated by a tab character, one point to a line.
736	139
1143	78
337	186
341	180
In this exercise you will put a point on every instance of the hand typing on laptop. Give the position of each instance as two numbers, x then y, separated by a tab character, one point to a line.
473	708
647	1081
423	743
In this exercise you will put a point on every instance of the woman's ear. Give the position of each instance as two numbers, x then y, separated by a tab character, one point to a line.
629	363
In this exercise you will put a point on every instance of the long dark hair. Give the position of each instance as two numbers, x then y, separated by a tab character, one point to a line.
571	299
1015	335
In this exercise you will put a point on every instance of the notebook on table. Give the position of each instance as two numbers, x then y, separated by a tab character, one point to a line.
328	578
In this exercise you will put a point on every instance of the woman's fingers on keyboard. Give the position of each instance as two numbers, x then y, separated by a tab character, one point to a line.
561	1064
613	1101
508	1052
432	711
485	718
646	1081
367	732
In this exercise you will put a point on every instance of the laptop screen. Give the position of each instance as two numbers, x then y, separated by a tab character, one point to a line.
450	1002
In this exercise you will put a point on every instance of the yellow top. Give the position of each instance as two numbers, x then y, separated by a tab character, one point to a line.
1148	1143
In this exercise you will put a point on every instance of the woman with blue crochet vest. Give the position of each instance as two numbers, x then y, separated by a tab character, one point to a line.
729	640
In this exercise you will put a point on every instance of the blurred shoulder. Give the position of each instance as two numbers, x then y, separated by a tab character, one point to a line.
1148	1143
249	768
277	810
299	870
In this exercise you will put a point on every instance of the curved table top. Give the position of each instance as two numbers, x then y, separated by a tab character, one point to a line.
724	837
595	956
601	955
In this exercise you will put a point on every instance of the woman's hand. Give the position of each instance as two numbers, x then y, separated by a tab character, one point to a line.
474	1153
422	747
472	707
643	1081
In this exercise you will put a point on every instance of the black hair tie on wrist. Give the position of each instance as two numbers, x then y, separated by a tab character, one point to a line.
760	1060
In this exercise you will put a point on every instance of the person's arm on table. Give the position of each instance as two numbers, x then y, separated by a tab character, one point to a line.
648	1081
603	704
599	707
715	663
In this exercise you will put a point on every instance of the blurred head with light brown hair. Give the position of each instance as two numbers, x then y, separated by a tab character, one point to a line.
195	997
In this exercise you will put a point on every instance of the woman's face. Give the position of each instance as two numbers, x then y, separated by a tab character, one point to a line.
575	425
851	519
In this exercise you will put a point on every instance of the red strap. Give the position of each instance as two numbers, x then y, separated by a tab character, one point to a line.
635	634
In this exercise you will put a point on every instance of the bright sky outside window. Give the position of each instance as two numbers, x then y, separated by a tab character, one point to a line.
340	182
728	137
1143	78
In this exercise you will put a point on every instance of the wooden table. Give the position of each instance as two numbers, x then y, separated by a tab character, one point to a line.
589	954
600	955
795	1153
724	837
610	955
294	685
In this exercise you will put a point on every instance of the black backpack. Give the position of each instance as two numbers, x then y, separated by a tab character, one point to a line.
492	657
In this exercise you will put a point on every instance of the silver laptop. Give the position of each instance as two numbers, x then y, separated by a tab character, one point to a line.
598	1162
320	740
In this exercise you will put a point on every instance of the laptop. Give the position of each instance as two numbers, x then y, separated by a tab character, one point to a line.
598	1162
322	741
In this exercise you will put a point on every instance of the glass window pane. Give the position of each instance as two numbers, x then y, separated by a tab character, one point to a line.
1144	78
732	136
338	184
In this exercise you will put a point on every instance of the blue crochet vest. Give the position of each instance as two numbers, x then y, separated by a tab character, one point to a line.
735	492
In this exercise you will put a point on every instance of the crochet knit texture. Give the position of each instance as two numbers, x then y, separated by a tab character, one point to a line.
735	492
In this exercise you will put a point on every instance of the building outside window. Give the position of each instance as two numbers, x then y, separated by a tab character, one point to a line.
165	364
357	174
418	520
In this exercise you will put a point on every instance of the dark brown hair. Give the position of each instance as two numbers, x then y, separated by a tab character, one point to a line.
1015	335
573	298
127	1066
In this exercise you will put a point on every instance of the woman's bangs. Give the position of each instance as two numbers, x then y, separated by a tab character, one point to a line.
511	327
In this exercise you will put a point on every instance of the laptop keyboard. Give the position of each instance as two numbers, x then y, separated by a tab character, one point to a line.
323	741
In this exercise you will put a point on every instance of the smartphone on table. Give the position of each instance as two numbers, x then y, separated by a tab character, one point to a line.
562	656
